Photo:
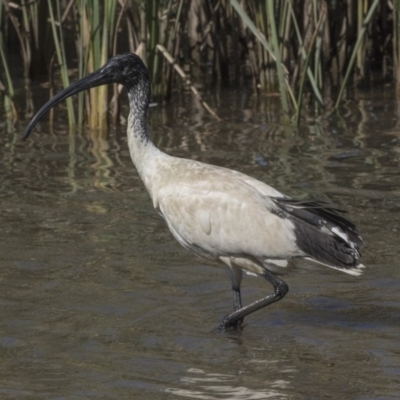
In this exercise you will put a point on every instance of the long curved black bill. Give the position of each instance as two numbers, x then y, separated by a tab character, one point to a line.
100	77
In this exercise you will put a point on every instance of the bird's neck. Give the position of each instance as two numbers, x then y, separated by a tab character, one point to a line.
145	155
138	138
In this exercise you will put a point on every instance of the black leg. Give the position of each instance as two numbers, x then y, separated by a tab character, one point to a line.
237	305
235	318
237	299
235	273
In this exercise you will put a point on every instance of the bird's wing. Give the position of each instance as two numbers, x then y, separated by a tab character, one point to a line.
221	214
322	233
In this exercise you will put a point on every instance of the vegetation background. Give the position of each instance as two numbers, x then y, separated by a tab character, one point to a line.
306	51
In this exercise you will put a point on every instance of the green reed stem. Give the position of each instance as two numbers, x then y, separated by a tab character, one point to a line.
304	55
275	41
360	39
282	71
250	24
61	57
306	65
3	56
81	56
396	42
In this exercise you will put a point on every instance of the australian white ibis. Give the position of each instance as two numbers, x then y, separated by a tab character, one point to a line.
221	214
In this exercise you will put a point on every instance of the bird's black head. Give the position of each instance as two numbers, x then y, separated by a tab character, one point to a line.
127	69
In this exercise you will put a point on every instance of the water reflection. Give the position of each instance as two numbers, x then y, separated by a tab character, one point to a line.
214	386
97	299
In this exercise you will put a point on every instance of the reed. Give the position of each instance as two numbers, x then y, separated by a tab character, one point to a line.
277	53
187	81
61	56
299	48
306	69
358	47
7	89
98	30
304	56
396	44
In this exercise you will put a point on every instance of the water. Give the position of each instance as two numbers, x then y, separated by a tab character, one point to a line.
98	300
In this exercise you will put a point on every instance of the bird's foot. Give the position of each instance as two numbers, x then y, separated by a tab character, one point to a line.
228	323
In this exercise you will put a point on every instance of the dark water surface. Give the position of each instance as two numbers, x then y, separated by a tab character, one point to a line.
99	301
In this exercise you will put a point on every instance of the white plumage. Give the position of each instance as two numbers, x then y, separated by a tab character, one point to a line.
221	214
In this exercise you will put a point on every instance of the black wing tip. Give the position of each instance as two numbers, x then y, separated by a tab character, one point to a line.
326	249
318	210
322	233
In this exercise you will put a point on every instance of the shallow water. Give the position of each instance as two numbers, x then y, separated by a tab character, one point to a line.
99	301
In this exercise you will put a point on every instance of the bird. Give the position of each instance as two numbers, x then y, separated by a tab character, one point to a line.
221	214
